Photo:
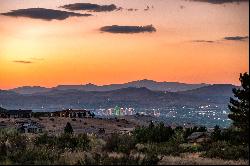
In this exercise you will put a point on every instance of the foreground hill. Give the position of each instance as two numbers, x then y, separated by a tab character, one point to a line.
125	97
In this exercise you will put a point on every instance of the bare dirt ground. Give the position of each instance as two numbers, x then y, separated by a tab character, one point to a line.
55	125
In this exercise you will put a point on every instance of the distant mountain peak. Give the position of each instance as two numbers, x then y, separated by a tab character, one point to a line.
145	80
89	84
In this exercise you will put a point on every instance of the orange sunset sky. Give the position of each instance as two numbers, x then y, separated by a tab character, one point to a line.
194	42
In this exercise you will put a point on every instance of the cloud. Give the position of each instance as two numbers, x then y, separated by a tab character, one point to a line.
203	41
41	13
132	9
23	62
236	38
230	38
128	29
91	7
182	7
148	8
220	1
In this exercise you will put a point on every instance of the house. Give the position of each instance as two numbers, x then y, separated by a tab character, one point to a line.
73	113
126	130
29	127
198	137
15	113
19	113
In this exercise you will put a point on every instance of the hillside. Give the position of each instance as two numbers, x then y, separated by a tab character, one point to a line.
126	97
150	84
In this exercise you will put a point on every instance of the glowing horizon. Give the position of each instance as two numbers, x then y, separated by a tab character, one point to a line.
194	42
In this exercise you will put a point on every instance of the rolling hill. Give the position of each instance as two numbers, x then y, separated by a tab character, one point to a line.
150	84
127	97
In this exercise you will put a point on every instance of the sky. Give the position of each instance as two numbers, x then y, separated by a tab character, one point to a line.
191	41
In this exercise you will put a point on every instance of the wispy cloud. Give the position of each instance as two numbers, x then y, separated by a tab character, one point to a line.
230	38
22	61
236	38
42	13
202	41
128	29
220	1
91	7
132	9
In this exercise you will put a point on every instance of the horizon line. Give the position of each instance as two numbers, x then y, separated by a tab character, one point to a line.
82	84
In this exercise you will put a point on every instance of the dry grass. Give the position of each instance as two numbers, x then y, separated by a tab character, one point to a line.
71	158
194	159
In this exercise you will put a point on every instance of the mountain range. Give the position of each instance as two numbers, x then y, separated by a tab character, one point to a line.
136	97
150	84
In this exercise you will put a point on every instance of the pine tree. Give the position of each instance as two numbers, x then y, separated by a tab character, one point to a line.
68	129
216	134
239	107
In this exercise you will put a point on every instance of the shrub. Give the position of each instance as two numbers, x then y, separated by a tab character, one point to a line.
64	141
216	134
152	133
167	148
37	114
233	136
178	128
68	129
44	139
71	142
120	143
191	148
104	159
178	137
225	150
150	159
42	155
11	141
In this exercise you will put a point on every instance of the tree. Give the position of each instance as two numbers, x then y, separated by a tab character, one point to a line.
216	134
202	129
68	129
239	107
